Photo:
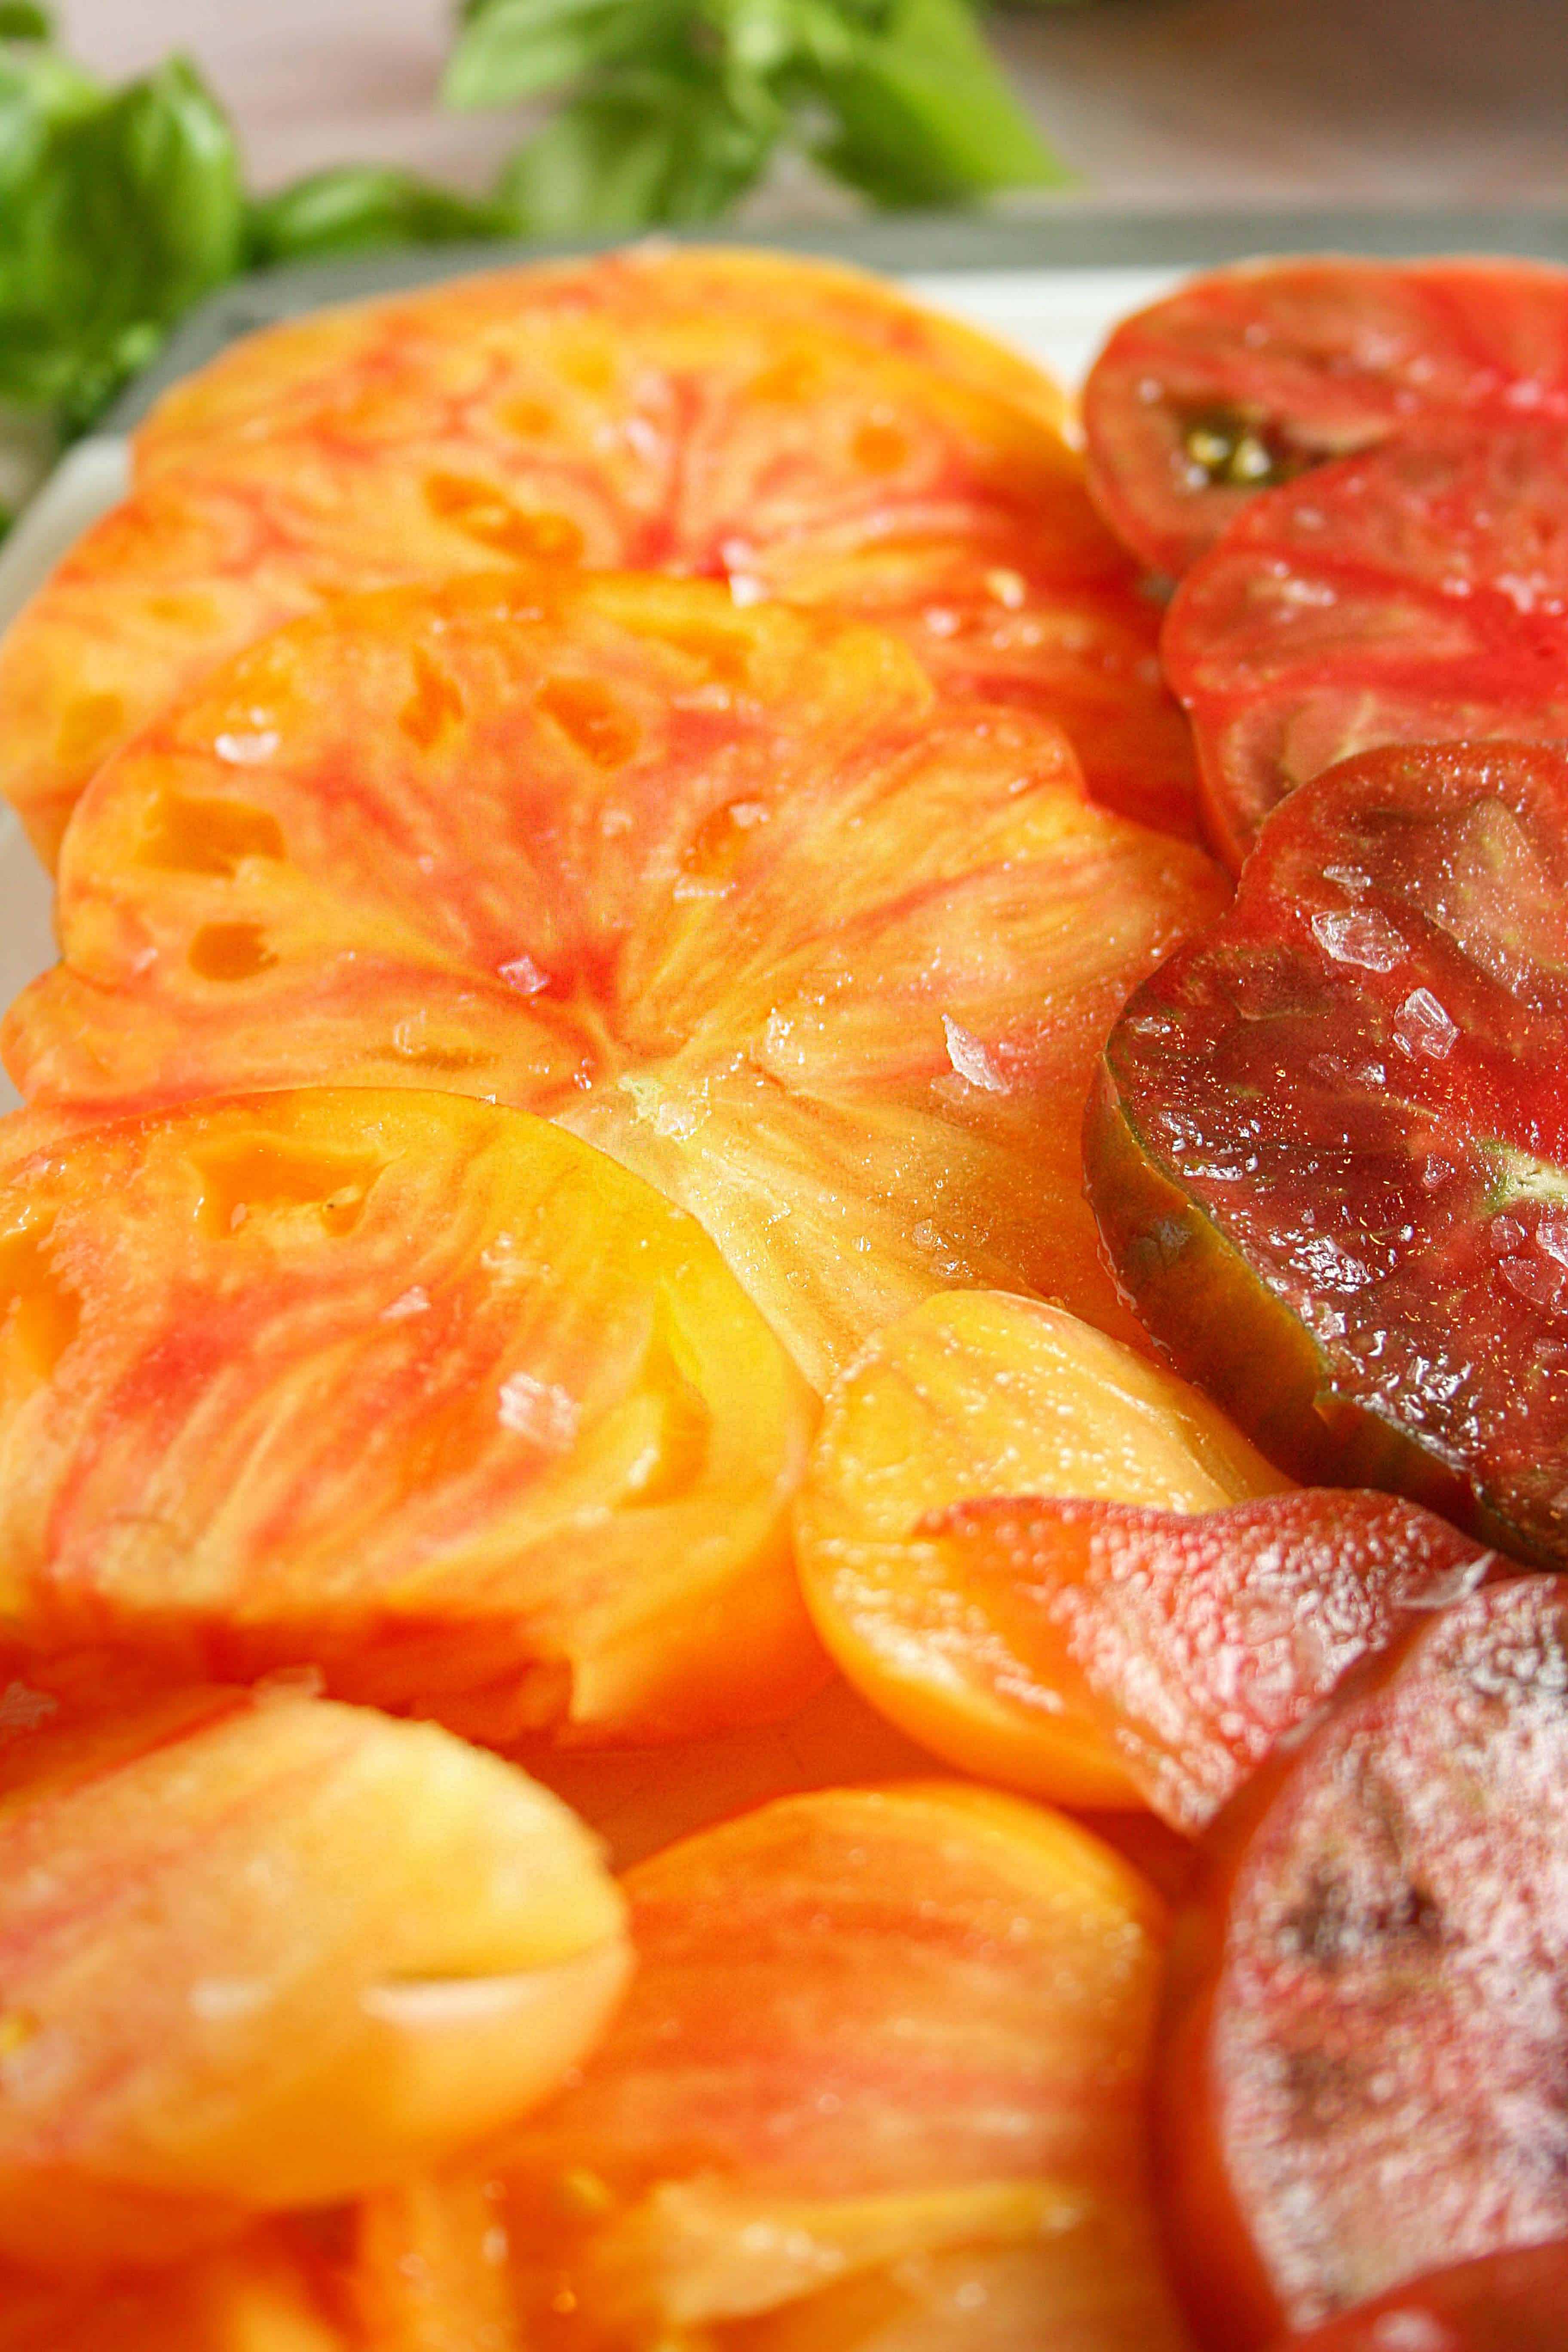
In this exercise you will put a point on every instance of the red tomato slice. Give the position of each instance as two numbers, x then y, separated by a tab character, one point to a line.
1329	1150
1243	379
1367	2066
1503	2302
1417	592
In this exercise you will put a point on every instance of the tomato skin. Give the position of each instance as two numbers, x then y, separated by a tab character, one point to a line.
1415	593
1325	1143
1359	2040
1315	358
1502	2303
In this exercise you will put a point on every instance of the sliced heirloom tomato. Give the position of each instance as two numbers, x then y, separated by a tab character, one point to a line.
731	893
978	1549
263	2295
1241	380
1503	2302
797	429
880	2083
972	1395
1327	1148
1418	593
263	1950
1367	2060
420	1392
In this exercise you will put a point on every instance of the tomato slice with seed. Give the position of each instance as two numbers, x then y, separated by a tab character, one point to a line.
728	892
1365	2065
1241	380
418	1390
227	1989
1417	593
1502	2303
879	2043
760	420
1327	1149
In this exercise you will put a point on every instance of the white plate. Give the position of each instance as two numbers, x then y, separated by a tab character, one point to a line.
1059	317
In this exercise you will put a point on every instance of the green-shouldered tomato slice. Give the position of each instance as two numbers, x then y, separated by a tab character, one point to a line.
1328	1152
1416	593
881	2045
759	419
259	1951
730	892
1241	380
421	1392
1366	2061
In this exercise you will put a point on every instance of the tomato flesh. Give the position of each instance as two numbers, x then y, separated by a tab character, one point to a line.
728	892
1366	2057
1327	1148
1243	379
1418	593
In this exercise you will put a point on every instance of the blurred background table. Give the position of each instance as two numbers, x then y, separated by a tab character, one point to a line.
1153	102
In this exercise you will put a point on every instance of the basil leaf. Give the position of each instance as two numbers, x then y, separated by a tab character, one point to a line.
358	208
115	216
924	115
514	50
647	148
21	21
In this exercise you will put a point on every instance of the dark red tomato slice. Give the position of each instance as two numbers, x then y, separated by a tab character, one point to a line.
1365	2066
1416	593
1327	1147
1243	379
1503	2303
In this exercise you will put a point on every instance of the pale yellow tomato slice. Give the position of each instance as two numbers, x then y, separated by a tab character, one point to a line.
422	1392
264	1950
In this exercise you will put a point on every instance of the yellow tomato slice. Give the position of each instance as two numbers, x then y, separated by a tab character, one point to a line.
266	1950
973	1396
869	2030
727	892
421	1392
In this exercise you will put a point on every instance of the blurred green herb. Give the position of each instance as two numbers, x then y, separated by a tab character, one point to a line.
120	208
670	109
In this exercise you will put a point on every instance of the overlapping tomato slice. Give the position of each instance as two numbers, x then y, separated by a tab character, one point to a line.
1062	1569
264	2294
729	893
798	430
879	2081
1367	2073
1416	593
1327	1149
409	1388
263	1951
1243	379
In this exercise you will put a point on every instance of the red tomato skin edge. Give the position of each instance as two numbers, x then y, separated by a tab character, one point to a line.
1218	1325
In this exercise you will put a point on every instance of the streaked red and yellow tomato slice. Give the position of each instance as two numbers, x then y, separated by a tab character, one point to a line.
264	1950
763	421
883	2059
420	1392
731	893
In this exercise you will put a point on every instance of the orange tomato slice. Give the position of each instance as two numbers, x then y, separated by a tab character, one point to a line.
975	1396
266	1951
410	1388
883	2057
262	2295
745	417
727	892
